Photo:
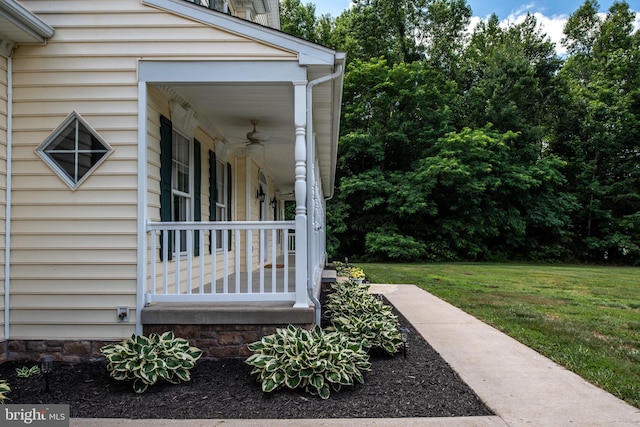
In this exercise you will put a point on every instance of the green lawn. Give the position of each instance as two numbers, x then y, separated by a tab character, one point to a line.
585	318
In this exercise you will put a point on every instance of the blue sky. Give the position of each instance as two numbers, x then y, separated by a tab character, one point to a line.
551	14
483	8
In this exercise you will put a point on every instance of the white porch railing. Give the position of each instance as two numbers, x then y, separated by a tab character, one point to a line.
235	262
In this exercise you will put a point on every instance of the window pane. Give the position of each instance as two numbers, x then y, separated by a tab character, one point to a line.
181	177
66	162
181	213
219	214
85	162
221	193
180	153
86	141
66	140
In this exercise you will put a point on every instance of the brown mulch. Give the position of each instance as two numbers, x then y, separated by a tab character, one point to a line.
420	385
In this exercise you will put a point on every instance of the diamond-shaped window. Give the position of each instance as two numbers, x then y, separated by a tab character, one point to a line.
74	150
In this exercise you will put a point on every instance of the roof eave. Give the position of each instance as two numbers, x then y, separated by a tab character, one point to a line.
34	29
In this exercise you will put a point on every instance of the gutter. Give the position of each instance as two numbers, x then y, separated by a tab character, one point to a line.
7	236
310	163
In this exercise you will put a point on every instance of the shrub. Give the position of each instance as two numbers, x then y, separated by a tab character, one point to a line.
314	361
4	389
354	311
342	268
394	246
356	273
145	360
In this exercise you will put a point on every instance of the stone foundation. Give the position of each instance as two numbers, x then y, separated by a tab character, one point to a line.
219	341
61	350
216	342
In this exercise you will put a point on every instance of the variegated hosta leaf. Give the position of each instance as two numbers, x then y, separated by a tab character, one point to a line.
310	360
147	359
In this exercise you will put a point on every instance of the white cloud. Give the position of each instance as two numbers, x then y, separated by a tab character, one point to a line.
551	26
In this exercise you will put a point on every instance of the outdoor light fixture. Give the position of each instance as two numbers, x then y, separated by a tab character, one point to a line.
405	335
46	367
260	195
274	202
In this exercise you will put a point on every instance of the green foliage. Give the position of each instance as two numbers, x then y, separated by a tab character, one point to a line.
145	360
4	389
395	247
314	361
25	372
342	268
557	178
355	312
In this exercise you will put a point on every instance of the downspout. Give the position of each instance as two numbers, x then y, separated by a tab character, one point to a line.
7	237
310	160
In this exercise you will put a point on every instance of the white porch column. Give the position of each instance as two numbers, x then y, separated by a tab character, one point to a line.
300	120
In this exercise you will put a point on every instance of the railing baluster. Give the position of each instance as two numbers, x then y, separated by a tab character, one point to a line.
201	266
274	260
285	250
189	236
177	247
249	263
261	257
152	274
165	263
214	261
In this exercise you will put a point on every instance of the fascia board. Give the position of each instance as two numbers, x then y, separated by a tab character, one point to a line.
29	23
219	71
308	53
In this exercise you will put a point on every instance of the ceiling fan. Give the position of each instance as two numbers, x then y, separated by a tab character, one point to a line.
256	138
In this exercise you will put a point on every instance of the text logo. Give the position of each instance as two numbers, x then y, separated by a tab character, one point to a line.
34	415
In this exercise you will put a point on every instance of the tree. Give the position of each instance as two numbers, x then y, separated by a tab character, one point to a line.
599	134
301	21
445	34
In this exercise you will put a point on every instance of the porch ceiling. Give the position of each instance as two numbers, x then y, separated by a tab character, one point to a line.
229	108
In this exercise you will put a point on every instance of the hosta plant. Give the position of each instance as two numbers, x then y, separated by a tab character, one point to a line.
26	372
354	311
314	361
145	360
4	389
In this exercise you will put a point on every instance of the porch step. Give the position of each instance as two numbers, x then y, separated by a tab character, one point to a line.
260	313
329	276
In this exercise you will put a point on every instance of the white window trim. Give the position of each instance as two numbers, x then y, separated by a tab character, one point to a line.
62	174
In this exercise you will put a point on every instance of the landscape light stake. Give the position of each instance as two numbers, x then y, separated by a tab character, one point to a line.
46	367
405	334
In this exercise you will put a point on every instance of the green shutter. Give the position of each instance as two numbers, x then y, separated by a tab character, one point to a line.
166	131
197	188
229	193
212	194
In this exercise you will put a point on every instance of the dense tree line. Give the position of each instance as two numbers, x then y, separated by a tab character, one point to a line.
485	145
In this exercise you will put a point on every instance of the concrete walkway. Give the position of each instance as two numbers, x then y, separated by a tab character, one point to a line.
522	387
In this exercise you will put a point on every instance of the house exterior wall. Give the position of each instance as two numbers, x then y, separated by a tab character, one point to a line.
3	181
74	252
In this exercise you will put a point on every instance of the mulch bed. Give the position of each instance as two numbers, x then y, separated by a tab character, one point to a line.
420	385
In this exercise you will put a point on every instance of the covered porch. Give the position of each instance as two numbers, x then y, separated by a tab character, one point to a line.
269	129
